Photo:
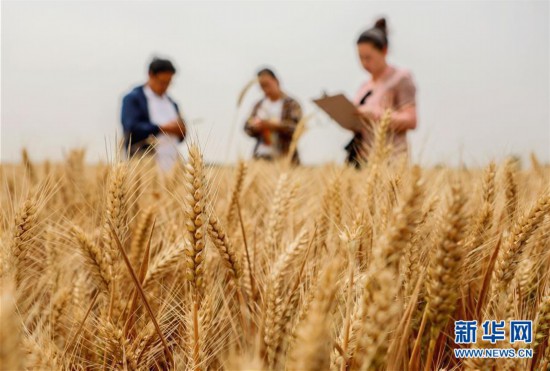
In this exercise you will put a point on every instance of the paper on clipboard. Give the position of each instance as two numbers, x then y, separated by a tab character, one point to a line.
341	110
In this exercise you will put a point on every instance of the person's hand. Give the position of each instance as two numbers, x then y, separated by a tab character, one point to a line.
256	124
270	124
259	124
369	113
174	127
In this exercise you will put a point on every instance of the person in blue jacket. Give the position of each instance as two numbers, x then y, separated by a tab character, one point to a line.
151	120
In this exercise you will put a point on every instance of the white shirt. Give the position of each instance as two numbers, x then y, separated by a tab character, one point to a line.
270	111
161	111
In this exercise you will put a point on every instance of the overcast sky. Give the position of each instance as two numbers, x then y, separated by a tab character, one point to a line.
481	68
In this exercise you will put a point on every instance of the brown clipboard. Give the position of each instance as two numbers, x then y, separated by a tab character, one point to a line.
341	110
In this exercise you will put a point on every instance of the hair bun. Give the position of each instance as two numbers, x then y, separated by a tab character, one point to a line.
381	25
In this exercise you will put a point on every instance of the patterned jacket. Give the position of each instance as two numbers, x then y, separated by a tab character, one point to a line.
291	115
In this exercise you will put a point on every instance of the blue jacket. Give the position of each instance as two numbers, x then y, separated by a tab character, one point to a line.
135	119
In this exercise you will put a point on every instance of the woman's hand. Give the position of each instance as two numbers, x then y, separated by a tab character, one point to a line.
370	113
272	124
260	124
255	124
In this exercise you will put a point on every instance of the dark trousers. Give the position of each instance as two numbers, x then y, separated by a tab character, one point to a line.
352	148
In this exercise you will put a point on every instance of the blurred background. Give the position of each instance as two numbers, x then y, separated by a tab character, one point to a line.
481	68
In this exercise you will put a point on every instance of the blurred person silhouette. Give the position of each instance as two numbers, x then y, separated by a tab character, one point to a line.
390	87
273	119
151	120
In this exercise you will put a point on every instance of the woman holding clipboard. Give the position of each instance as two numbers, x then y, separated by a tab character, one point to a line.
389	87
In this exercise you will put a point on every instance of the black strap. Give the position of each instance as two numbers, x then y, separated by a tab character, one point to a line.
353	146
368	94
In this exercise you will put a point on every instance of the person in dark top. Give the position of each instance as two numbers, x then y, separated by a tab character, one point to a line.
149	116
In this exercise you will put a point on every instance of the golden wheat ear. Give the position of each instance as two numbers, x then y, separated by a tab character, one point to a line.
267	266
245	90
11	345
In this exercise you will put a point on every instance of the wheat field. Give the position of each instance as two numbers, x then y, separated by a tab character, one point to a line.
268	266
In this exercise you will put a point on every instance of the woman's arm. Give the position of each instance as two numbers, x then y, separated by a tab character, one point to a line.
402	120
404	116
250	126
